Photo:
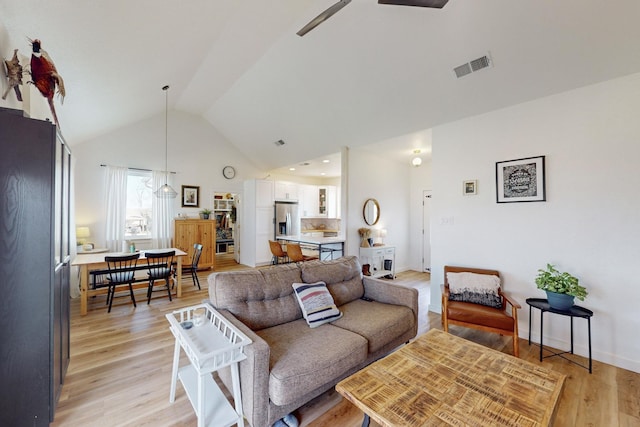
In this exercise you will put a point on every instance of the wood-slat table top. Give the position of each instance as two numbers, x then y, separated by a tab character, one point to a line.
440	379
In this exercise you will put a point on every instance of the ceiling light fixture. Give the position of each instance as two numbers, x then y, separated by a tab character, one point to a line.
417	161
165	191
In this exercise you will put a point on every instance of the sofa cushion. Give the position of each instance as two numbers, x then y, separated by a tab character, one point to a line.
316	303
475	288
259	298
379	323
342	276
302	359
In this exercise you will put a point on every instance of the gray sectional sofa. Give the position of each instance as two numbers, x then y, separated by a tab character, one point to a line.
289	363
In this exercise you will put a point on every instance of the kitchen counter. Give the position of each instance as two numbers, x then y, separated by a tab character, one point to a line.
327	247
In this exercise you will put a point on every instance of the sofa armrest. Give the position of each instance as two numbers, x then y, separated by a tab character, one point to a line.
254	374
390	293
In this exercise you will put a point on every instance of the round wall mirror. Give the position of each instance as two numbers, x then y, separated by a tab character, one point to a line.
371	211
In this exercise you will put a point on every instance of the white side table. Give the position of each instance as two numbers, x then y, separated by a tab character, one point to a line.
209	347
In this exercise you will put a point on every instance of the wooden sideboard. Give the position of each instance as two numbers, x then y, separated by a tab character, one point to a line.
190	231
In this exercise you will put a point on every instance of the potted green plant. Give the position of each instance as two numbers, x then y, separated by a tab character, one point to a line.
204	213
561	287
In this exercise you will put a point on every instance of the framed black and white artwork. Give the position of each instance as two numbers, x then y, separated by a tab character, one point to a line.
520	180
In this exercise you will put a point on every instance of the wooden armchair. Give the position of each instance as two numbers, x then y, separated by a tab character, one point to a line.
503	321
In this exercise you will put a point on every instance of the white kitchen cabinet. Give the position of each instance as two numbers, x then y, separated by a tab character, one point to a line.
309	201
319	201
286	191
257	223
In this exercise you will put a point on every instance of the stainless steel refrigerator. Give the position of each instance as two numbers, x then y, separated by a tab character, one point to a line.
286	219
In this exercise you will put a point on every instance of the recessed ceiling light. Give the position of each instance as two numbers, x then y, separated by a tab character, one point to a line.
326	161
322	173
292	169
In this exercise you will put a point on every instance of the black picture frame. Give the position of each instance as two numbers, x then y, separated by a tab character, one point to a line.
521	180
190	196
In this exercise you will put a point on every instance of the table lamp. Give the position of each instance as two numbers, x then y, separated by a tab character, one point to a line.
382	233
82	234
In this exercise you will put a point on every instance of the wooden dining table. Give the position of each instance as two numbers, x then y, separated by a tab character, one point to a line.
95	261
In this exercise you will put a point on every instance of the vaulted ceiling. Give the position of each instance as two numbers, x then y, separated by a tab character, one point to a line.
370	73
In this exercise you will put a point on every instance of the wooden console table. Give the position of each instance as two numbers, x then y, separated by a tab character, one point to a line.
442	379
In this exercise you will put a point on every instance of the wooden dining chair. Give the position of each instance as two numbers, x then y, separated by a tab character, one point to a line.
295	253
192	268
121	271
160	268
277	252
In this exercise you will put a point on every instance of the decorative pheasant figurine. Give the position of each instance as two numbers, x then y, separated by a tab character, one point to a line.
45	76
14	76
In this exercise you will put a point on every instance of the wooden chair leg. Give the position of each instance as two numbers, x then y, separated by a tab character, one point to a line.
113	291
196	281
131	293
168	287
149	291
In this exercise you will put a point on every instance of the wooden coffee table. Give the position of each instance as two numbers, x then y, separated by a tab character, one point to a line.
440	379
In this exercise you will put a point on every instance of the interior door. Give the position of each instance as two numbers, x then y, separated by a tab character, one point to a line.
426	230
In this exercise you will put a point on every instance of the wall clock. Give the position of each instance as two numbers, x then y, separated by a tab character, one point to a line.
229	172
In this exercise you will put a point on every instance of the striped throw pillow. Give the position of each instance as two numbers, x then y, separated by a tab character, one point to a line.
316	303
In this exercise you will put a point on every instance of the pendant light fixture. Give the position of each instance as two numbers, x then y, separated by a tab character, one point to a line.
165	191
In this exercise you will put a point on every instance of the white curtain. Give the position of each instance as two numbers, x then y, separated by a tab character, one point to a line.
162	221
116	206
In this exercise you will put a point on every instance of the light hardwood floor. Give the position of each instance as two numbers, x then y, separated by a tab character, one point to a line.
120	369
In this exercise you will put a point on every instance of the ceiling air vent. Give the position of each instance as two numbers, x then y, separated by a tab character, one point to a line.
279	143
472	66
462	70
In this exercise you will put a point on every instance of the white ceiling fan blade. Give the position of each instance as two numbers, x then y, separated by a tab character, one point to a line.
323	17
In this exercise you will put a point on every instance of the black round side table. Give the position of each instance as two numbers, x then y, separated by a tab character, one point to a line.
575	311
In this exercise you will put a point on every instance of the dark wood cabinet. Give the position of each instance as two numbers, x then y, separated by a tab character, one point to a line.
35	251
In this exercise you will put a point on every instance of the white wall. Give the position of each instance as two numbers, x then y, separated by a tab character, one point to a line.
197	152
588	225
371	176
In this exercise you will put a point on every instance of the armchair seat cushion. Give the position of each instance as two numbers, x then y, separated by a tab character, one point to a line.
480	315
301	358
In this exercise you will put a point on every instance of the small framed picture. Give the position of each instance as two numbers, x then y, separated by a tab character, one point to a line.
190	196
520	180
470	187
